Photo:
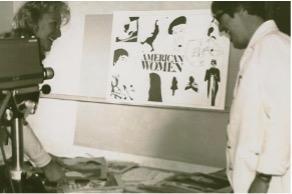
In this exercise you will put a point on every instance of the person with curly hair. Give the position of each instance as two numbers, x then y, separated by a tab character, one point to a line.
41	20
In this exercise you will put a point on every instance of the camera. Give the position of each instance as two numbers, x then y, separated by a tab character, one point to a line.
20	63
21	73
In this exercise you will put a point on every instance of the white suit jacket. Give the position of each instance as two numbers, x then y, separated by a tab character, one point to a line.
259	127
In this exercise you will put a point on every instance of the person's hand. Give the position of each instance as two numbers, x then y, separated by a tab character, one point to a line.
260	184
53	171
29	107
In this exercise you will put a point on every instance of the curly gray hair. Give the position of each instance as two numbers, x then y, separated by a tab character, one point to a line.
29	14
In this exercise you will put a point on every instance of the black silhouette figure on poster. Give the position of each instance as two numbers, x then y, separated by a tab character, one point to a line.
119	90
130	31
174	85
210	33
213	77
120	57
155	88
177	30
192	84
128	91
151	39
115	89
121	93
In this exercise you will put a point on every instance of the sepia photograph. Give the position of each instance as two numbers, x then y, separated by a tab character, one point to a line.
145	96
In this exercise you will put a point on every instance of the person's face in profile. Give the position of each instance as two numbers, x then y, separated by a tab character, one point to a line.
48	30
178	34
213	63
234	27
122	60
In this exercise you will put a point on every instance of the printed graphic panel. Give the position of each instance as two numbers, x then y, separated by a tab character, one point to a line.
172	58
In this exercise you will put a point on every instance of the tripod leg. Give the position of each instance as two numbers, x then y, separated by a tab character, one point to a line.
7	170
17	152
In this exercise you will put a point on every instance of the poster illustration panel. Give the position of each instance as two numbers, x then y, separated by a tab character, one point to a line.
171	58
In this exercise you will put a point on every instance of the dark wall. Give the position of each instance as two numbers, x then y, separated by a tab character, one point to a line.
280	12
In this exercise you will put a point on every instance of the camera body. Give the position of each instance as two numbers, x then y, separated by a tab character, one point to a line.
20	63
21	69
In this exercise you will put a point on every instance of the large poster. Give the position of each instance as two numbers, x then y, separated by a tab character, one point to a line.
171	58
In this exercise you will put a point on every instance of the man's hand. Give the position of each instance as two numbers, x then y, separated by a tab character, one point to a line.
29	107
260	184
53	171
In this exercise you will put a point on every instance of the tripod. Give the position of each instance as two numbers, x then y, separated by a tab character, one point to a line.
11	115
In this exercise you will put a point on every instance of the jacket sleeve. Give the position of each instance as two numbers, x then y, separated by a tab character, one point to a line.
274	86
33	149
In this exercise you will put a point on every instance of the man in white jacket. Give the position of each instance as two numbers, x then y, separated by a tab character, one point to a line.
258	144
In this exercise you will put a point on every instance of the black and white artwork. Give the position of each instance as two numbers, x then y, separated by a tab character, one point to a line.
129	30
172	58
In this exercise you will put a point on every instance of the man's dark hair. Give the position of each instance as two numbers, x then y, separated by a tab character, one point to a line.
276	10
230	7
177	21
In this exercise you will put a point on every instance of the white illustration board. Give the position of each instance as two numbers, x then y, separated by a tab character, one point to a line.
171	58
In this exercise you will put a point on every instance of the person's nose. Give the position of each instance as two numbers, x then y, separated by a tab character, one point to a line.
58	33
221	28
